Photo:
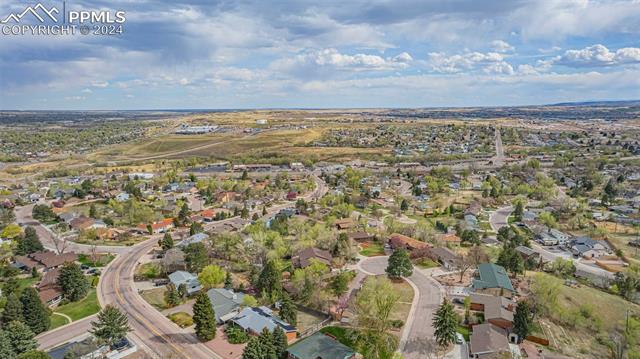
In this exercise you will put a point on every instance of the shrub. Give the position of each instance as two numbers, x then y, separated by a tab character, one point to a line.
182	319
236	335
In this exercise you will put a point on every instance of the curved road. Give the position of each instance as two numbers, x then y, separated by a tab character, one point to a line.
156	334
500	217
417	341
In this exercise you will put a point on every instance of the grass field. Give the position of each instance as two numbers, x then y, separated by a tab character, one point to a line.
182	319
81	309
372	249
57	321
402	308
155	297
426	263
101	261
582	315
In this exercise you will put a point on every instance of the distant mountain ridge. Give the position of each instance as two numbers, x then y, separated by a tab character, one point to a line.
612	103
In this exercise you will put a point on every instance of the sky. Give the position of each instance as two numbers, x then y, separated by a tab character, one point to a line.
202	54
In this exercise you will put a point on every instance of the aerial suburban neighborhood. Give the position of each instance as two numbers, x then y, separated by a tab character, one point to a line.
367	179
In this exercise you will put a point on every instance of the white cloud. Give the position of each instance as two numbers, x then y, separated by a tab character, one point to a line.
599	55
490	62
501	46
101	84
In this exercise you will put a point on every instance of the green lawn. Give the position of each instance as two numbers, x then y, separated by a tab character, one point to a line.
372	249
155	297
183	319
26	283
464	331
426	263
57	321
101	261
340	333
81	309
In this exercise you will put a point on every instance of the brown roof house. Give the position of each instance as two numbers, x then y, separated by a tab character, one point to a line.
49	291
445	256
343	224
305	257
415	247
44	261
497	310
488	341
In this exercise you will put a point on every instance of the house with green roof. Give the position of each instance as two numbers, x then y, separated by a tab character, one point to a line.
493	279
320	346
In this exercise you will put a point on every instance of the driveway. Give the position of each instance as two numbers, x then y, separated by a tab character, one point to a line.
417	337
500	218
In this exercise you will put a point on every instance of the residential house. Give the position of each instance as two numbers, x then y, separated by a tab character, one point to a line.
445	256
493	279
83	223
226	303
497	310
322	346
291	195
43	261
527	253
488	341
343	224
188	279
196	238
49	291
360	236
254	319
305	257
449	238
122	197
415	247
159	227
589	248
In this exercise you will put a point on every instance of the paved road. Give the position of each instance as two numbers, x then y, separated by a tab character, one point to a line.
151	330
418	341
52	242
582	269
499	158
500	218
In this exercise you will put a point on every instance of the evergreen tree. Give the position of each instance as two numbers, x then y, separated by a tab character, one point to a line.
171	296
228	281
339	284
280	343
167	242
288	311
6	350
112	325
264	211
93	212
518	211
266	341
204	317
404	205
196	227
399	264
522	320
183	215
33	354
254	349
270	279
445	322
33	311
20	337
12	310
196	257
29	243
73	283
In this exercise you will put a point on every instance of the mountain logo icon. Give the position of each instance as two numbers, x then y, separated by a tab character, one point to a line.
39	11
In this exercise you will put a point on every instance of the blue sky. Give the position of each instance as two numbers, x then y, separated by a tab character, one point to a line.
263	54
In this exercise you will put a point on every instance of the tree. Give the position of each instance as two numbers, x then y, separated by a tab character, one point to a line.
29	243
288	311
72	281
280	342
259	348
196	257
11	231
270	279
211	276
33	311
522	320
6	350
340	284
93	212
33	354
404	205
518	210
204	317
445	322
183	215
112	325
249	301
12	309
166	242
20	337
196	227
399	264
171	296
228	281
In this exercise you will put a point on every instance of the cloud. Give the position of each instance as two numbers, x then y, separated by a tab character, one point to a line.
599	55
490	62
501	46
